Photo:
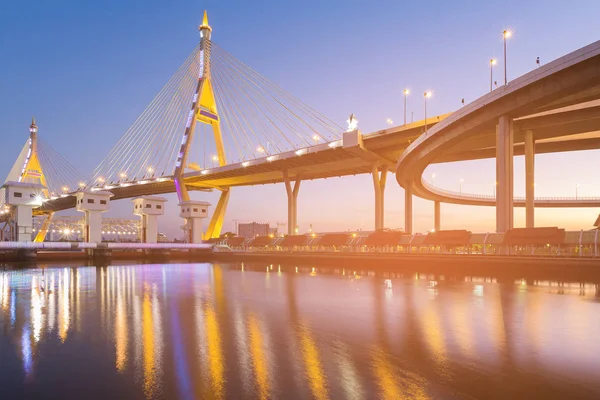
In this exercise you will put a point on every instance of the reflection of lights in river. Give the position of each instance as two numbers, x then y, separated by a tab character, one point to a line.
148	332
121	339
26	351
312	363
51	302
63	311
215	355
350	377
13	308
36	309
261	370
4	290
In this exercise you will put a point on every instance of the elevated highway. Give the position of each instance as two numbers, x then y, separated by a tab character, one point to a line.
554	108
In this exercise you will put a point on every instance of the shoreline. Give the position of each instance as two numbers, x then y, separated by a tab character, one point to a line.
526	267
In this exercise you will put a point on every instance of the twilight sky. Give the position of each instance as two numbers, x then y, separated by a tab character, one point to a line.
86	70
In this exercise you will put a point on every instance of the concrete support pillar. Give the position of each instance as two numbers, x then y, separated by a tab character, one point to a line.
149	208
22	197
92	221
436	215
408	208
23	217
193	212
529	179
292	195
504	174
93	204
379	181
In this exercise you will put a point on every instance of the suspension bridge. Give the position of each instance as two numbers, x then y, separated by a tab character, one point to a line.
218	124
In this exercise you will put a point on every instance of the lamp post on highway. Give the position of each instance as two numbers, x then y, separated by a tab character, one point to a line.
492	63
505	35
406	92
461	182
426	95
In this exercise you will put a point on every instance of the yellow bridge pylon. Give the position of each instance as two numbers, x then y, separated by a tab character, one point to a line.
204	110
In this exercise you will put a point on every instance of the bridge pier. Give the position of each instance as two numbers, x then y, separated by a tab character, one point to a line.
193	212
93	204
504	174
408	198
22	197
436	215
292	195
379	181
529	178
149	208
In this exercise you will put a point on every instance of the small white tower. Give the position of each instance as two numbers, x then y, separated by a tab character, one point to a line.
193	211
149	208
23	197
93	204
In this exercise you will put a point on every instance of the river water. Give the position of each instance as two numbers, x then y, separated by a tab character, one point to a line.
259	331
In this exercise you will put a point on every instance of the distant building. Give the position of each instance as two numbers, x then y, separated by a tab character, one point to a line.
253	229
273	231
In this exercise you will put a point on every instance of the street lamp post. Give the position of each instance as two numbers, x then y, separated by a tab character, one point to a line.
492	63
406	93
505	35
426	95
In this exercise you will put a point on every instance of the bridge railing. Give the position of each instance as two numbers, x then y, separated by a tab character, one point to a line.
476	250
472	196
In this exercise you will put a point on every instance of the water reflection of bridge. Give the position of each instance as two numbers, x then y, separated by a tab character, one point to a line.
190	331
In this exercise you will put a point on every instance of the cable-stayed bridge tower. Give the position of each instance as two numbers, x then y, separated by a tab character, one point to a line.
203	110
41	167
214	113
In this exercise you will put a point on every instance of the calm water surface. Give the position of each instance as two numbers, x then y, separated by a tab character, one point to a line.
269	332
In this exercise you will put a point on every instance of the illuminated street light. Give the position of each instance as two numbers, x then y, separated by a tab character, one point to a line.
406	92
150	170
260	149
426	95
505	35
352	123
492	63
316	138
123	175
389	121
